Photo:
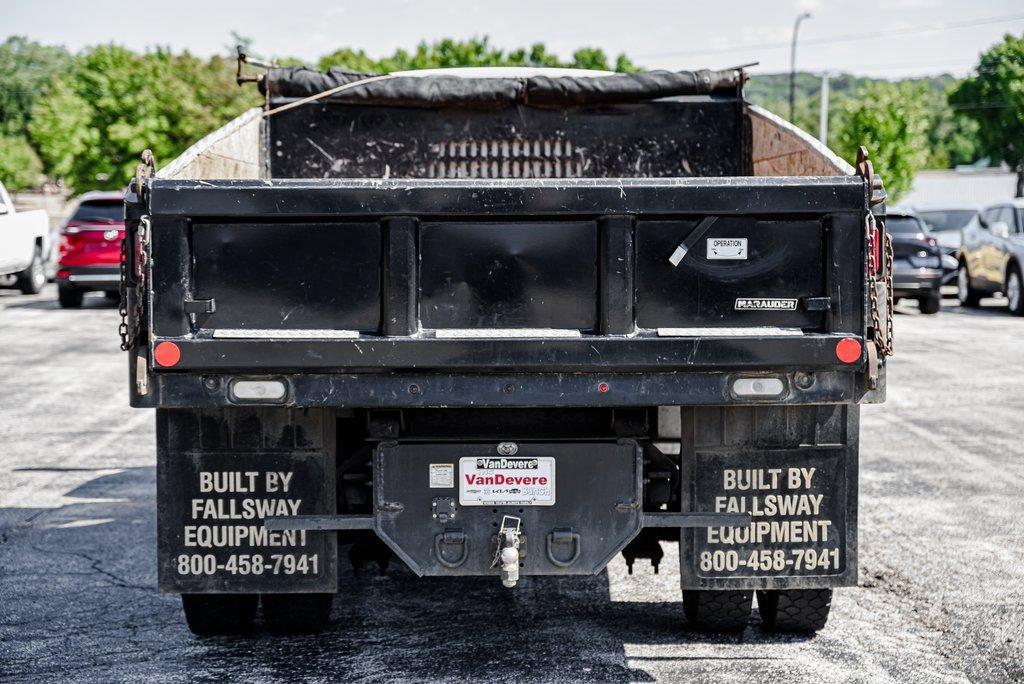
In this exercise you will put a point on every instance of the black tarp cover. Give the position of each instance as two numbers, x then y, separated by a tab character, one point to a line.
443	91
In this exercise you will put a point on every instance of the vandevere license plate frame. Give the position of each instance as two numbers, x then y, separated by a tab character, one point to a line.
507	481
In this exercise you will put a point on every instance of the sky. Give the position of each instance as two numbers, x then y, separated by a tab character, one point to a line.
680	34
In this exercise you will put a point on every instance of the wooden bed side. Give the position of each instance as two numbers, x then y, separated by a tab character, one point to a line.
232	151
781	149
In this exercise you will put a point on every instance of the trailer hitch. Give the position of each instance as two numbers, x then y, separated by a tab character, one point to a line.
507	552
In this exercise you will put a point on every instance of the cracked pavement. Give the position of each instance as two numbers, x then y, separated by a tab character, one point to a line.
941	595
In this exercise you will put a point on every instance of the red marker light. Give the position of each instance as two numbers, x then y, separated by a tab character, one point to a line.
848	350
603	387
167	354
63	274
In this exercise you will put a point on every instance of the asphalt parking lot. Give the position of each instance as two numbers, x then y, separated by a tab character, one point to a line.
941	595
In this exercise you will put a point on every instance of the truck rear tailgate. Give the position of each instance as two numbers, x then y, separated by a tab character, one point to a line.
524	275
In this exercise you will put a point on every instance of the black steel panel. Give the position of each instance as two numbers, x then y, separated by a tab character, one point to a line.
355	197
508	275
590	480
695	137
289	276
784	260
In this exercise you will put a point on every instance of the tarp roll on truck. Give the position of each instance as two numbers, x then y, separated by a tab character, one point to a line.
506	322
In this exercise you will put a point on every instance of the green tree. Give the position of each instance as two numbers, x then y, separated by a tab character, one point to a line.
891	120
994	98
20	167
91	124
449	52
26	67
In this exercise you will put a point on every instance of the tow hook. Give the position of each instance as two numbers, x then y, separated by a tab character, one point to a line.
507	553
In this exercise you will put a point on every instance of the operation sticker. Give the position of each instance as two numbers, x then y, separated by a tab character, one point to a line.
442	475
727	248
507	481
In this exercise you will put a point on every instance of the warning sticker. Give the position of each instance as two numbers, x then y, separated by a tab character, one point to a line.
727	248
442	475
507	481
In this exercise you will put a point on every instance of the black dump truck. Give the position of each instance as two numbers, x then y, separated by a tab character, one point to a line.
508	323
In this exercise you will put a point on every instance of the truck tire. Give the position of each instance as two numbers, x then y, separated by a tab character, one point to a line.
296	613
1015	291
32	279
219	614
965	293
794	610
69	297
717	611
930	304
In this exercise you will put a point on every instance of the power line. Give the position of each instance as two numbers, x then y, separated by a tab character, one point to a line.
849	37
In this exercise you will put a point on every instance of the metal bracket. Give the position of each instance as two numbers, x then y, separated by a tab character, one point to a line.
817	303
665	519
200	306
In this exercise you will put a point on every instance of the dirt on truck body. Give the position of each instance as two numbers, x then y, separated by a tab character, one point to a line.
506	322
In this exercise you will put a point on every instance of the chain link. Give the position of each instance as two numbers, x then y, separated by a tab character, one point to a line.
132	322
884	342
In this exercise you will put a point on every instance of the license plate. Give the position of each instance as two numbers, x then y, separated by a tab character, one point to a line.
507	481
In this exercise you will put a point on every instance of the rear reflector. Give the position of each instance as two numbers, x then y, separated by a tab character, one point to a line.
758	387
258	390
848	350
167	354
63	274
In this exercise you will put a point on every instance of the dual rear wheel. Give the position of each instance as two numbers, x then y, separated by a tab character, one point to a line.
233	614
790	610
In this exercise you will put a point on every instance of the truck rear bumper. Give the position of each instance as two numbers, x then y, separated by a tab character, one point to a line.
413	390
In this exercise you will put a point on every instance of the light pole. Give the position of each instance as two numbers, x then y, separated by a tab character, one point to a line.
792	63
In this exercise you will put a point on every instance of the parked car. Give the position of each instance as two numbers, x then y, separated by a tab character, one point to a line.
946	223
90	249
25	245
991	256
917	260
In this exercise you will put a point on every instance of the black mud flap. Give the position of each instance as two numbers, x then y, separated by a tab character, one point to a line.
803	507
219	474
440	506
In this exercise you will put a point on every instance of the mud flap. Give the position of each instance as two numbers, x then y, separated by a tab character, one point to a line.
219	474
803	507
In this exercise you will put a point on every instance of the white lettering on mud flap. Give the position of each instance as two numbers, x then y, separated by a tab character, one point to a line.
507	481
727	248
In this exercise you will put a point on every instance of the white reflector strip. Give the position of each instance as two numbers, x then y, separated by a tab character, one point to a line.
730	332
268	334
758	387
258	390
504	333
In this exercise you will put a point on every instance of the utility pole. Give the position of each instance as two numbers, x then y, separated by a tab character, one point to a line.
792	63
823	112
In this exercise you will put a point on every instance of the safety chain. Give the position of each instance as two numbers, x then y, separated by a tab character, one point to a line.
883	341
131	324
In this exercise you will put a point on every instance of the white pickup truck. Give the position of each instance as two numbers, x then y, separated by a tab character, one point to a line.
25	245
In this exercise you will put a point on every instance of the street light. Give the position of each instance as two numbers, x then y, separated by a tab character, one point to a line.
792	63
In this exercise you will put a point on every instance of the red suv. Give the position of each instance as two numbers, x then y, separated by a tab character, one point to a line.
90	249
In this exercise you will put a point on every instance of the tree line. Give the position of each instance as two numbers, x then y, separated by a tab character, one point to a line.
81	119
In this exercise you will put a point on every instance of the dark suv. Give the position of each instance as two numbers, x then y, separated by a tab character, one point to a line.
991	256
917	260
